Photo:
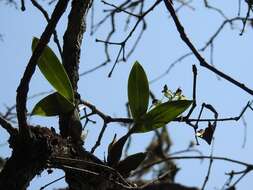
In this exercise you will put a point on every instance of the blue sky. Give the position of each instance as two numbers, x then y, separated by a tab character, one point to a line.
159	47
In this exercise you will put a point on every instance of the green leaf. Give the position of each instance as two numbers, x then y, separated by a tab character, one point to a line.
52	105
54	72
138	91
130	163
115	151
161	115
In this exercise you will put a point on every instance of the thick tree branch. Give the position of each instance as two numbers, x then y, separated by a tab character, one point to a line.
27	160
70	124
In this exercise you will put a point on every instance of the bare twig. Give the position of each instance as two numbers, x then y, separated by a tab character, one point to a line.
10	114
122	44
44	12
188	150
157	179
106	118
119	9
181	58
22	5
195	72
202	61
7	126
198	157
52	182
210	42
247	16
207	5
208	170
239	7
23	87
99	138
92	168
245	132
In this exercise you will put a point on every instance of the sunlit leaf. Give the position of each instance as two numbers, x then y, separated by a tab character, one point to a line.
161	115
52	105
138	91
54	72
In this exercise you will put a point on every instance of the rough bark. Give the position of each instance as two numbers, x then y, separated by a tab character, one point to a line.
27	160
69	123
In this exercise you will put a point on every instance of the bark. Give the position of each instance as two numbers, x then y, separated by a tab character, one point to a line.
27	160
69	123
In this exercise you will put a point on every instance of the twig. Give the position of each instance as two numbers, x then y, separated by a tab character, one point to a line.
185	4
99	138
119	9
156	180
23	87
93	69
44	12
239	7
240	178
246	18
233	173
115	62
248	106
10	114
22	5
245	132
8	127
202	61
88	172
92	17
214	8
60	178
123	43
195	72
106	118
220	28
209	169
88	167
170	67
171	154
197	157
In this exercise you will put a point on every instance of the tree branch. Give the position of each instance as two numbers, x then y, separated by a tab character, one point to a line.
202	61
7	126
70	124
23	87
45	14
